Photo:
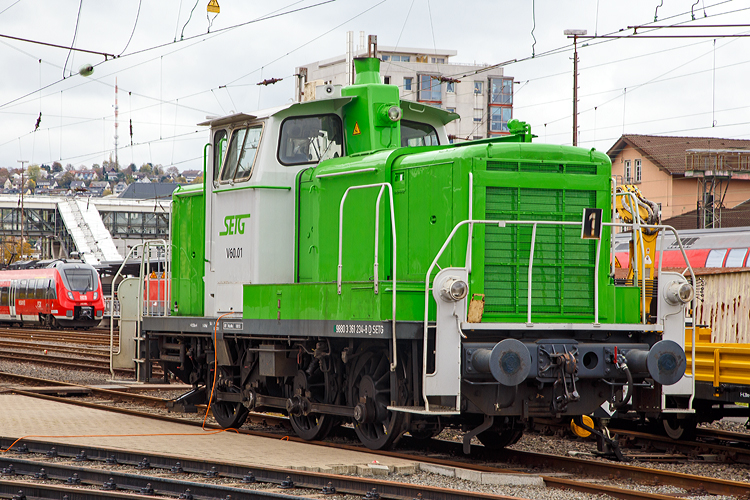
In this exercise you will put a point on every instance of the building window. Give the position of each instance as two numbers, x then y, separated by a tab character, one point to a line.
450	110
627	173
501	91
407	82
387	80
499	118
395	58
421	59
429	88
385	58
478	86
638	170
500	104
450	87
438	60
478	114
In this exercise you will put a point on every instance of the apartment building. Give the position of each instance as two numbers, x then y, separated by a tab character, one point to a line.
481	94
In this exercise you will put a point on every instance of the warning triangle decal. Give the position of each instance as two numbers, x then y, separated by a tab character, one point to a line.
213	6
356	129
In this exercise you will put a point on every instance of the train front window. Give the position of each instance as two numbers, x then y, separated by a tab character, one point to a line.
310	139
240	155
80	280
418	134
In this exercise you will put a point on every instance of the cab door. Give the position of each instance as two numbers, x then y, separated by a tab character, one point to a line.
12	300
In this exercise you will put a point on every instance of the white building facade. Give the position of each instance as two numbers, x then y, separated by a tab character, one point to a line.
480	94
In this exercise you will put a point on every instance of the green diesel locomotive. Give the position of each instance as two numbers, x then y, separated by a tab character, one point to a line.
344	262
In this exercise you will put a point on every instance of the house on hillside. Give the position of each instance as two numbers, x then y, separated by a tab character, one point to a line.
190	175
119	188
693	179
97	188
84	175
45	186
78	186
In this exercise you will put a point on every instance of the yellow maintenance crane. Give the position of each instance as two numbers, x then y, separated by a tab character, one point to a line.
635	208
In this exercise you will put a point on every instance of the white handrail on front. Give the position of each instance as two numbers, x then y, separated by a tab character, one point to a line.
382	186
634	226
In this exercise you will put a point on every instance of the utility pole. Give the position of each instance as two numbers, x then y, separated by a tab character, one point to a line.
575	34
117	113
22	162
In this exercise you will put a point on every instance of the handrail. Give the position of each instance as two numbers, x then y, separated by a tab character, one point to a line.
531	256
382	186
111	320
635	225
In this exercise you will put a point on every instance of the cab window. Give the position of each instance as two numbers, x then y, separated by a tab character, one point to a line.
220	150
418	134
310	139
240	155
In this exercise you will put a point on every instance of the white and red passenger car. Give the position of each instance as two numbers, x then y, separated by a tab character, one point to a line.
64	294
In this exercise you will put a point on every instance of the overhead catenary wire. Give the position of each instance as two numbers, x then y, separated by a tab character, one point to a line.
75	34
173	100
137	15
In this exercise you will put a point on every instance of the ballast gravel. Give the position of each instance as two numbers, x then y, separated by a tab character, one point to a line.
560	443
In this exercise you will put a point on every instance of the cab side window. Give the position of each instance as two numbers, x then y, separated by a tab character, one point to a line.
240	155
418	134
310	139
220	150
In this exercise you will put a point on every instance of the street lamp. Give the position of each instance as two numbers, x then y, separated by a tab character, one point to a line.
575	34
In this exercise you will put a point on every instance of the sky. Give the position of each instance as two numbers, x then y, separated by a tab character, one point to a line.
175	65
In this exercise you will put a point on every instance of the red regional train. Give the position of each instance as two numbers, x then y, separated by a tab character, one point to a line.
61	295
725	247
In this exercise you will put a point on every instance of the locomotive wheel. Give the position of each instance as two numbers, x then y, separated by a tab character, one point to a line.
498	437
312	426
228	414
369	383
678	429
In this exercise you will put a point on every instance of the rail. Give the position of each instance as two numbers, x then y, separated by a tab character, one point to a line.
382	186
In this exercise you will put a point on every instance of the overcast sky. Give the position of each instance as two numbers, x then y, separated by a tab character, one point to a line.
682	86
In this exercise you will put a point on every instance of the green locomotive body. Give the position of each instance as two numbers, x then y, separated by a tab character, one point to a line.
360	267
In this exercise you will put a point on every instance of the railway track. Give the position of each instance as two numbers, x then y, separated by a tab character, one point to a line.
54	347
63	362
91	337
573	465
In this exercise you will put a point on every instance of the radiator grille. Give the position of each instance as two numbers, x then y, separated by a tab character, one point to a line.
563	271
548	168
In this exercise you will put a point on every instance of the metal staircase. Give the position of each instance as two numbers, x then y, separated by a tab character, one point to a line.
91	237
